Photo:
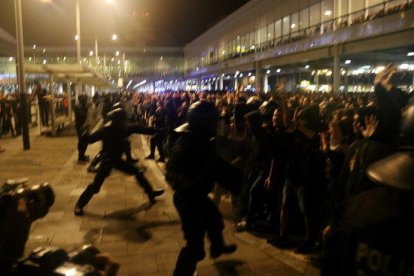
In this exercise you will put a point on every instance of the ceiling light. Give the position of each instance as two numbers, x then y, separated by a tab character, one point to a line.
348	61
268	72
307	67
114	37
91	53
328	13
410	54
76	37
117	53
278	70
34	46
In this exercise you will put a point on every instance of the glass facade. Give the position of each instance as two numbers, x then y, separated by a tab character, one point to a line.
319	18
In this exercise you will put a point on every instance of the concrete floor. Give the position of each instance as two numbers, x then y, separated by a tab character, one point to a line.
145	241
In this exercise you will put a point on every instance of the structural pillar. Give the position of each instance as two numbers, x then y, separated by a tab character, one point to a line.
336	72
69	101
21	74
266	84
258	77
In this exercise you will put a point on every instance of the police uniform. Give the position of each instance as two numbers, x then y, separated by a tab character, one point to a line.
113	136
374	232
192	170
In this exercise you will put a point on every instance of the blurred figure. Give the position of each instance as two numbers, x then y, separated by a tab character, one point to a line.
373	230
82	124
192	170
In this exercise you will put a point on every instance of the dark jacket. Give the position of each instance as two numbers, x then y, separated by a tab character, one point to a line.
113	137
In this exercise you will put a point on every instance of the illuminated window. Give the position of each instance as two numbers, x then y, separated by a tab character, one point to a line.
304	19
315	14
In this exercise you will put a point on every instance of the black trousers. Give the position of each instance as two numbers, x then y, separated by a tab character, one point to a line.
157	142
199	216
104	171
44	113
82	143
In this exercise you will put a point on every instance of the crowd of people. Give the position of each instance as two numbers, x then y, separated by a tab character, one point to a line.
301	167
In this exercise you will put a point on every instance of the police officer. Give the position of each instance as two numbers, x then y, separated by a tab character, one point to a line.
127	144
374	232
113	136
192	170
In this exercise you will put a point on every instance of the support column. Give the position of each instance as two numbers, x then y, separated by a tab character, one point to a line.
69	101
259	87
266	84
21	74
336	72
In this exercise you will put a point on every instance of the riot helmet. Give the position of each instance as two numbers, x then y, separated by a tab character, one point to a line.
117	116
201	120
397	170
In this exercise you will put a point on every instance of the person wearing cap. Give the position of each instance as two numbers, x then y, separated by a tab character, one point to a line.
373	233
113	135
192	170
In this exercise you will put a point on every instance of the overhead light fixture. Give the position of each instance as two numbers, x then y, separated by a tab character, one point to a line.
348	61
117	53
91	53
278	70
307	67
328	13
293	26
249	74
76	37
410	54
10	58
268	72
34	46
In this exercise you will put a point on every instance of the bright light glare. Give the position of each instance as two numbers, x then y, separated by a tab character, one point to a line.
117	53
410	54
44	50
268	72
307	67
76	37
44	61
293	26
91	53
328	13
348	61
34	46
10	58
278	70
114	37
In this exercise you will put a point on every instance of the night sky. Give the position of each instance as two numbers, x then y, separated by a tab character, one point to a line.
137	22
